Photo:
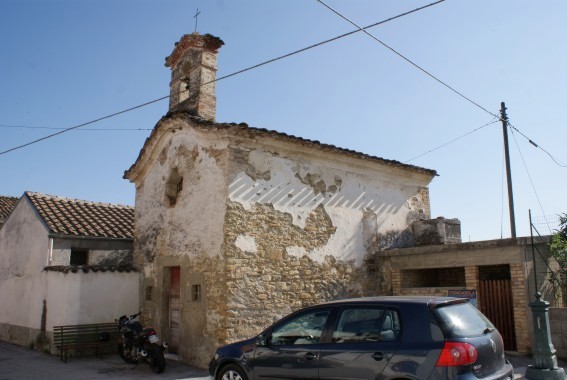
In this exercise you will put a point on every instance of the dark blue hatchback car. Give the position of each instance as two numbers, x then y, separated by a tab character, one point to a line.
371	338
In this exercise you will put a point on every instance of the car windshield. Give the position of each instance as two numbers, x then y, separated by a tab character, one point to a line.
462	320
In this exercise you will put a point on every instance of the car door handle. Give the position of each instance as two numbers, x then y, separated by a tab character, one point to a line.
378	356
310	356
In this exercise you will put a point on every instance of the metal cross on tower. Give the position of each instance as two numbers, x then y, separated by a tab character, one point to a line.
196	19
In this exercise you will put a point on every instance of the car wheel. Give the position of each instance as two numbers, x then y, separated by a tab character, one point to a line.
231	372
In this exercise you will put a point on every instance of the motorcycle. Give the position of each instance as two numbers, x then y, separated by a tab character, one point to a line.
137	344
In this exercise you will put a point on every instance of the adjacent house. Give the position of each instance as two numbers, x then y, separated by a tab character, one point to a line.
500	276
64	261
237	225
7	204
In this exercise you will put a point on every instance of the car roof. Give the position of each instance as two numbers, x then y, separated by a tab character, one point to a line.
424	300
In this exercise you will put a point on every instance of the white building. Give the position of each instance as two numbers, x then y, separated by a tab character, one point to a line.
64	262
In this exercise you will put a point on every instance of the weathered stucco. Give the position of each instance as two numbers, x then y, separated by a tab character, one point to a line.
296	183
157	227
263	226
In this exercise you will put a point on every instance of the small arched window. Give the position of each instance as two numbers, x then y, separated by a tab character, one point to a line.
173	187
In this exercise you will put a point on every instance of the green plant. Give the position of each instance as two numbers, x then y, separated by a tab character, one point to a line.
558	248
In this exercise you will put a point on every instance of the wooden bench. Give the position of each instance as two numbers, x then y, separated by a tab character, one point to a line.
93	336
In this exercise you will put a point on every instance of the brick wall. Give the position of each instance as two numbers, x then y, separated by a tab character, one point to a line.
519	297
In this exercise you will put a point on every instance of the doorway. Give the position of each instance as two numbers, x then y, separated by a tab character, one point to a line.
496	301
174	309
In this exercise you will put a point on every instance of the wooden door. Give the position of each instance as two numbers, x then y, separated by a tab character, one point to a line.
174	309
496	303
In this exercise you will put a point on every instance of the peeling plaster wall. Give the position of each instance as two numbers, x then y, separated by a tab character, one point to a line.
188	235
181	229
300	229
264	229
368	208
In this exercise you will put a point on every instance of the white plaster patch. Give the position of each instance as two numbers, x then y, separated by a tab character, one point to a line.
345	195
246	243
296	251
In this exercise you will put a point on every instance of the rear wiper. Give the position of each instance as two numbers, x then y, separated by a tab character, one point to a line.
488	330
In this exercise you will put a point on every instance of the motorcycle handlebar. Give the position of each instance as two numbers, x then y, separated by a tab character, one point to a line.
135	315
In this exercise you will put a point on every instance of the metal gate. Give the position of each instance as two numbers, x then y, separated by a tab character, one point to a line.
496	303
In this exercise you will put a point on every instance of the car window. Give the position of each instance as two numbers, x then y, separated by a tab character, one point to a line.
305	328
463	319
371	324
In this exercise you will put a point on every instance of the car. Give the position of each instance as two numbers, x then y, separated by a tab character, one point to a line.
371	338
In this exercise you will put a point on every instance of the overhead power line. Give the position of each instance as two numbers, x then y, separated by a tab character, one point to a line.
537	146
405	58
82	129
453	140
226	76
361	29
83	124
528	173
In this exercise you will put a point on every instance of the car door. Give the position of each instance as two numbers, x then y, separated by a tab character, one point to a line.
364	340
291	349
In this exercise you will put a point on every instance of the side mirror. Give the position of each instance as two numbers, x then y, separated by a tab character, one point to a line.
261	340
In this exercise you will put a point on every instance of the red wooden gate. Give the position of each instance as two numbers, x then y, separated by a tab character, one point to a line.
496	303
174	310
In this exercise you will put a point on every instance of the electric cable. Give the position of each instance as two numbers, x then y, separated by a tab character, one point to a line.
227	76
82	129
529	175
537	146
453	140
406	59
83	124
433	77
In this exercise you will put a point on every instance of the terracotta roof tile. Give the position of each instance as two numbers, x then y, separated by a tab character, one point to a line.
7	204
75	217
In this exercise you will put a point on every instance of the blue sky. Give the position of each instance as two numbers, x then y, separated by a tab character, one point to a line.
66	62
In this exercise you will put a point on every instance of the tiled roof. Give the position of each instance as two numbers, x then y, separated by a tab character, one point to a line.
244	129
74	217
7	204
91	268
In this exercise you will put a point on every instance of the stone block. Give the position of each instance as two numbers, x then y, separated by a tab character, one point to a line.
436	231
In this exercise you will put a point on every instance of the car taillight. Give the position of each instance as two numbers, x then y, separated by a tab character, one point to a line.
456	354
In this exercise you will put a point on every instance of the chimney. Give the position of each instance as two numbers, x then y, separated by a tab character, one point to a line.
193	65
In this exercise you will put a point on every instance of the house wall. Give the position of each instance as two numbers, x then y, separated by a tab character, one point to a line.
32	300
93	297
188	235
24	251
301	223
515	253
264	229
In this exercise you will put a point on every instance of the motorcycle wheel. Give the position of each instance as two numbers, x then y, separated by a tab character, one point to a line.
156	359
126	354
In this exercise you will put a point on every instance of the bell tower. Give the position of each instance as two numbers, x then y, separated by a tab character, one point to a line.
193	64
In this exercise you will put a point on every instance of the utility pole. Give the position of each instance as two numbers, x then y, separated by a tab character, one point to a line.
504	119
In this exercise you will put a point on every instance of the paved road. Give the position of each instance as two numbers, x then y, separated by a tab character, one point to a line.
19	363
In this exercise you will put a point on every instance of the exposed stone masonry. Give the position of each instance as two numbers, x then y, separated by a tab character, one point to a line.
272	279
